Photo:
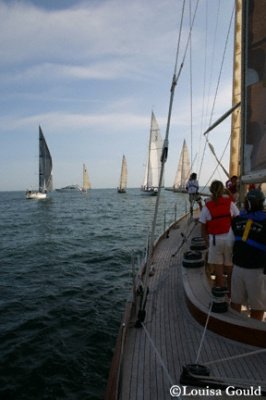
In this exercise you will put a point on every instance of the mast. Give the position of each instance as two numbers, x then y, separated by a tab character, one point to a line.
234	167
41	157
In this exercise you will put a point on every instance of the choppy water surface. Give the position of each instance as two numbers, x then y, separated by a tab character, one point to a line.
65	276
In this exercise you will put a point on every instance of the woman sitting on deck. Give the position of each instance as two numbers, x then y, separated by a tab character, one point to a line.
216	217
249	256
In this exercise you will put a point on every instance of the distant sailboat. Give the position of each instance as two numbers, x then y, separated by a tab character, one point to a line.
45	171
183	170
69	189
123	177
86	182
153	166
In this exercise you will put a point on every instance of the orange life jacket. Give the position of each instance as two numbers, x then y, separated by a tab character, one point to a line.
221	216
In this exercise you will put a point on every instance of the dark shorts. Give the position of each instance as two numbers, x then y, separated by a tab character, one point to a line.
194	197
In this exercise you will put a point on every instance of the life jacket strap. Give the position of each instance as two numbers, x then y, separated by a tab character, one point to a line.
253	243
247	230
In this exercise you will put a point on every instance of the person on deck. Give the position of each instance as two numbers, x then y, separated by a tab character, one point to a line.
192	188
215	218
232	187
249	256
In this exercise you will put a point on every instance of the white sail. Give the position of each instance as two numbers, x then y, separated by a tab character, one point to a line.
86	182
123	177
45	171
183	169
153	166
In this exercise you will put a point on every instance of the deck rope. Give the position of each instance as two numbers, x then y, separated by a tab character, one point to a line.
162	363
225	380
204	332
220	360
250	353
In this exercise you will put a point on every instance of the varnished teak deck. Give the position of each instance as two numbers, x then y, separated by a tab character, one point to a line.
153	356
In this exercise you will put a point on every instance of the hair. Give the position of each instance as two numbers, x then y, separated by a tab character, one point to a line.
216	189
254	200
193	175
254	205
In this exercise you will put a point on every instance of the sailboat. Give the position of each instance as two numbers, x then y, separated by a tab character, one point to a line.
45	171
183	170
173	342
123	177
86	182
153	166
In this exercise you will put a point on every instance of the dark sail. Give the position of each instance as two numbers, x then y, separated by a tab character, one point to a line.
45	165
254	133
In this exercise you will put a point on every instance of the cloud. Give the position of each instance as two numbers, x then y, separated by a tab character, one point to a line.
89	31
50	72
89	73
57	122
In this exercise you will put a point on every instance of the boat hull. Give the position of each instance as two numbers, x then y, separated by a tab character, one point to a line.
150	191
70	189
179	190
34	195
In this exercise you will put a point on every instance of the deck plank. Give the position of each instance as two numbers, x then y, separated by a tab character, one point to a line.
175	334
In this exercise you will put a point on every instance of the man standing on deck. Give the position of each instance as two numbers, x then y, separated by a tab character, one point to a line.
249	256
192	188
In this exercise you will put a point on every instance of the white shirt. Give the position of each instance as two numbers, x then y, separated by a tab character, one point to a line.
192	186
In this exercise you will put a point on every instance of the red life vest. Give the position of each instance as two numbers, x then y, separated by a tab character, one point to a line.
221	216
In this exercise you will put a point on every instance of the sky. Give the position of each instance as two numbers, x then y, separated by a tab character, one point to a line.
91	72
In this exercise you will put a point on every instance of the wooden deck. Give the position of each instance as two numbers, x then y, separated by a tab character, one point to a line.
153	356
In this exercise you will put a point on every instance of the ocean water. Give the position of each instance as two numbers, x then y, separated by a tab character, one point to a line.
65	275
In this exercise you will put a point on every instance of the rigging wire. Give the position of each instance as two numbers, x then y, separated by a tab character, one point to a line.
165	146
218	163
204	81
205	111
222	64
141	313
213	56
216	92
191	87
179	38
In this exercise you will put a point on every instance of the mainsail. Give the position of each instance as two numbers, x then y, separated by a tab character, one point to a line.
153	166
183	169
45	165
253	168
123	177
86	182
